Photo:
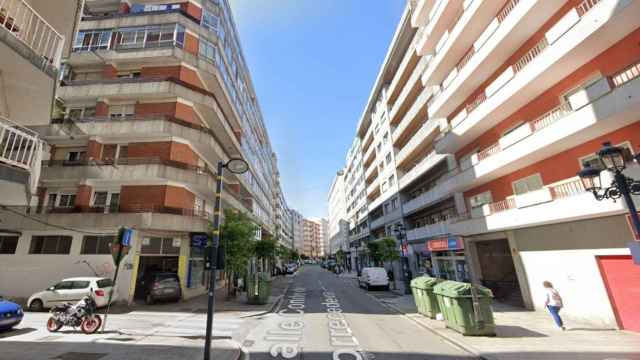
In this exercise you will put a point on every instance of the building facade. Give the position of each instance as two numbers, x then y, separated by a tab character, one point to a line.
297	227
480	118
35	35
338	226
154	95
313	246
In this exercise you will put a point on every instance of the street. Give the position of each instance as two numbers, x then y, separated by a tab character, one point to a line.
327	317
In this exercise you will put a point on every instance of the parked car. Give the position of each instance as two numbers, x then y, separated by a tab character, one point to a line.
10	314
161	286
373	277
71	291
292	268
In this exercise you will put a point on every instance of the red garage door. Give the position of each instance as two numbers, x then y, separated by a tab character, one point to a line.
622	279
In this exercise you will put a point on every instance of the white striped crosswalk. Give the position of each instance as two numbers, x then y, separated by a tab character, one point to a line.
193	326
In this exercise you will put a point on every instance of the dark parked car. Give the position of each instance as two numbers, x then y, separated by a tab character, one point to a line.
162	286
10	314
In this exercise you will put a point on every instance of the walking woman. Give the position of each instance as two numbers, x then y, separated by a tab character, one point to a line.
553	302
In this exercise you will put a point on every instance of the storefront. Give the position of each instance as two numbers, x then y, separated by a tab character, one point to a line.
448	258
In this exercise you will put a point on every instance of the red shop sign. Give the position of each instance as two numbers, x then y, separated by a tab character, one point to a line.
443	244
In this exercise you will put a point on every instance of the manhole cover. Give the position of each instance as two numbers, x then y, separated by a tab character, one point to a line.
80	356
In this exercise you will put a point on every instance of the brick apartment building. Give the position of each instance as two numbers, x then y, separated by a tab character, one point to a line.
153	96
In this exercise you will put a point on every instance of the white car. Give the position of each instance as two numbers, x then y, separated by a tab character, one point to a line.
373	276
72	290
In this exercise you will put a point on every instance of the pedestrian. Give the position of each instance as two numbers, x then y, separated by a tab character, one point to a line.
553	302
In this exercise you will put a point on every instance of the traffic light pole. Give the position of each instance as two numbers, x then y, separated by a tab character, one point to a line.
212	259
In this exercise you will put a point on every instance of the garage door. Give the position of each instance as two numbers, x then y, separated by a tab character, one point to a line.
622	279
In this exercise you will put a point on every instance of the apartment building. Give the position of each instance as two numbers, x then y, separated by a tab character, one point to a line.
313	246
297	230
153	96
489	109
283	220
34	36
338	226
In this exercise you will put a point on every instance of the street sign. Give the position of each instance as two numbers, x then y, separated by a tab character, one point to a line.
634	231
199	239
126	237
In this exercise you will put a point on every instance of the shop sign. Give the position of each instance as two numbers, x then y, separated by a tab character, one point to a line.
199	240
444	244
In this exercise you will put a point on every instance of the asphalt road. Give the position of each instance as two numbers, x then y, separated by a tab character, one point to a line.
327	317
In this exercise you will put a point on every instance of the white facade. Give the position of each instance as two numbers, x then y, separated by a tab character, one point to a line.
338	237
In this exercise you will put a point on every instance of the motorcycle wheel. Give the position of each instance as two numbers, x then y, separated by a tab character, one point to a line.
90	325
53	325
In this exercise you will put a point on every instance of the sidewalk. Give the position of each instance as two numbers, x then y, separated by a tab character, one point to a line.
234	306
532	335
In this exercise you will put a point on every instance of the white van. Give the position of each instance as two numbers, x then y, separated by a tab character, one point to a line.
373	276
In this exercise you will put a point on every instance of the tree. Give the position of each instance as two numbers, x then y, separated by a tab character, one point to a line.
340	256
238	233
265	252
383	250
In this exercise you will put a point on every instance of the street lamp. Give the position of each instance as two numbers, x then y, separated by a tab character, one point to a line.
400	232
236	166
622	186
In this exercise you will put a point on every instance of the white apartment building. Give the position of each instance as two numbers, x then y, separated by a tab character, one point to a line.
338	228
297	229
492	108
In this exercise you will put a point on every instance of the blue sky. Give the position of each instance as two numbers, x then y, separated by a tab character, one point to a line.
313	64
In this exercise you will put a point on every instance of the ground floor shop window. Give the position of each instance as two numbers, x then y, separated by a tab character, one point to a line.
8	244
450	265
195	274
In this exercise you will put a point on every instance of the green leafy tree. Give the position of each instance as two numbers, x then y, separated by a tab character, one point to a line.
265	252
383	250
238	233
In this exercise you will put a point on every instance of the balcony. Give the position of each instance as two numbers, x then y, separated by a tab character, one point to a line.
508	30
421	139
420	15
370	173
440	18
18	20
374	186
428	231
405	69
556	203
476	17
417	111
519	85
411	88
152	88
429	161
21	148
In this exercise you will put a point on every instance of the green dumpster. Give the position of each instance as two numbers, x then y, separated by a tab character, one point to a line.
456	304
258	288
426	301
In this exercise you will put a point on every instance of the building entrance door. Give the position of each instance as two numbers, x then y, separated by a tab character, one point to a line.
499	272
622	280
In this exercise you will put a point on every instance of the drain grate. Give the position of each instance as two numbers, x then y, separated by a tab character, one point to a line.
80	356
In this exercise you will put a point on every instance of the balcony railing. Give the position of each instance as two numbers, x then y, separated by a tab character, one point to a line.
504	205
626	75
152	160
19	146
23	22
121	208
506	10
530	55
585	6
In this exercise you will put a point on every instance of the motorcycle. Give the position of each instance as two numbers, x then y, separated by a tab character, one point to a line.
82	314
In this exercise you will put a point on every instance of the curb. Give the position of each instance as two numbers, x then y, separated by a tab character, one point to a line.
459	344
276	304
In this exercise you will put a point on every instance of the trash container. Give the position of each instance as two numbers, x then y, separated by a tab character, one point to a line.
258	288
426	301
456	304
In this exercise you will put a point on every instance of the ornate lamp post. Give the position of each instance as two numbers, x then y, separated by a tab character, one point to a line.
400	232
622	186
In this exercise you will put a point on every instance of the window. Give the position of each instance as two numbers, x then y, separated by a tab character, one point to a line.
75	155
388	158
385	138
384	186
63	285
129	74
210	21
208	51
157	245
105	283
50	244
66	200
394	203
92	40
96	245
392	180
158	36
378	147
100	198
79	285
116	111
8	244
527	184
477	201
595	162
130	38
